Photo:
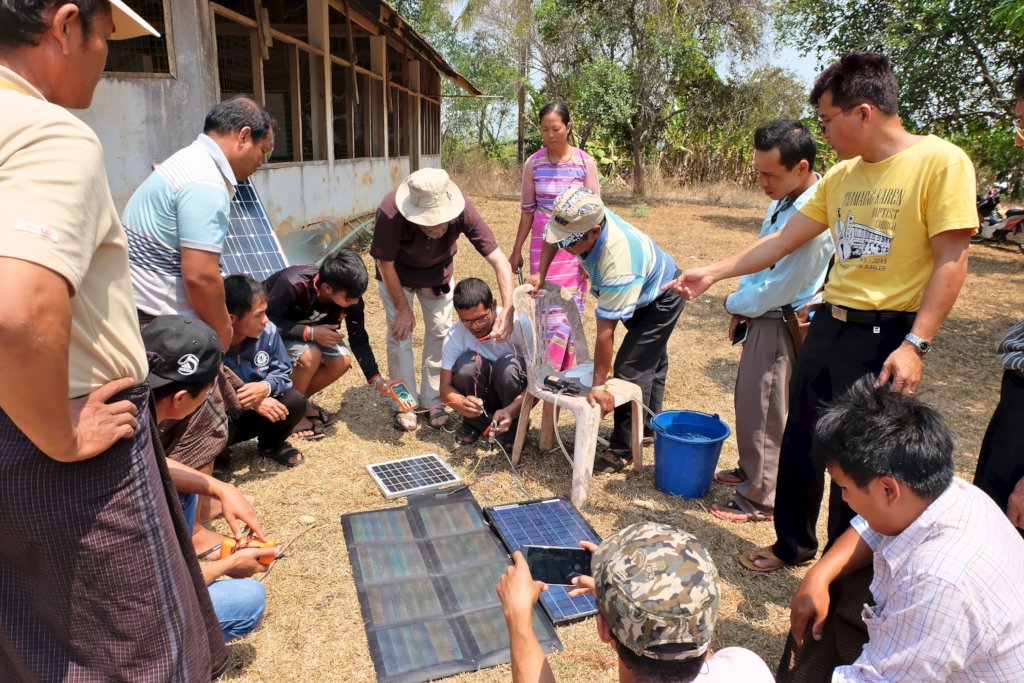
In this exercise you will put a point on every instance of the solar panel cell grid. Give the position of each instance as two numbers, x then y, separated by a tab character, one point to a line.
420	473
251	245
550	522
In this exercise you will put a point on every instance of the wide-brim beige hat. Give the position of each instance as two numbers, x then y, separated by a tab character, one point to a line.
128	24
574	211
429	197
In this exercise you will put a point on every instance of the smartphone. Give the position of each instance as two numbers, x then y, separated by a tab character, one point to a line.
556	566
401	394
739	335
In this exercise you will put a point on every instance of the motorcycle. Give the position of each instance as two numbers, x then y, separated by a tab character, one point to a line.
993	225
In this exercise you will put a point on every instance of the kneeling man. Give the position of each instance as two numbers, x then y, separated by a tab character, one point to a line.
948	583
481	378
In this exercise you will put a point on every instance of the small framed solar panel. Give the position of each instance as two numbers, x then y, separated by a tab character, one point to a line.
406	476
251	245
552	522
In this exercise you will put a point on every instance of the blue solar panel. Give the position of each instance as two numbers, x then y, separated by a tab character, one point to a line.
547	522
251	245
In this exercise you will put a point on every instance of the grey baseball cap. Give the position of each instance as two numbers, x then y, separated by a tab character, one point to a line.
657	587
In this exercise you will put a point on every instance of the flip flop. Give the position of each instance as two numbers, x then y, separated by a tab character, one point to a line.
308	425
735	511
285	454
467	434
314	413
606	461
404	422
437	417
748	560
736	473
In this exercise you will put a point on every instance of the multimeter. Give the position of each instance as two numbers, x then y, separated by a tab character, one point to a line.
398	391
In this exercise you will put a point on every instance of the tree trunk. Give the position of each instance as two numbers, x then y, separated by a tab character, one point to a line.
639	169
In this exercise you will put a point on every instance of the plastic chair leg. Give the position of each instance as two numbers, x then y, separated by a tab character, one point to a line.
547	427
638	436
524	424
587	422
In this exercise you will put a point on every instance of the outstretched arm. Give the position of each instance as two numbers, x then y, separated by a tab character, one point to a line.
758	256
519	592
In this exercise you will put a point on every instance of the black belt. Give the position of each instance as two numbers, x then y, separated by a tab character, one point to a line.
852	315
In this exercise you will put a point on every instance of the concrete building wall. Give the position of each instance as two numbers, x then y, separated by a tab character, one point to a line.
143	120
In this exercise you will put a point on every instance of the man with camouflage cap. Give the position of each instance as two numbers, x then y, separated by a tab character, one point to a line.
657	599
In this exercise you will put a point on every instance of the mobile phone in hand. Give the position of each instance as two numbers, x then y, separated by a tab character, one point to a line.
556	566
739	335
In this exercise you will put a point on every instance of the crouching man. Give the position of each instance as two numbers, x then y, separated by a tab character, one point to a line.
657	600
184	360
948	583
481	378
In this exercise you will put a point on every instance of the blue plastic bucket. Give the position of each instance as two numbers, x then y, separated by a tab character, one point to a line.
686	449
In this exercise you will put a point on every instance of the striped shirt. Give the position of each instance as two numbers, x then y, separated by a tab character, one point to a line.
626	268
949	594
543	181
1011	349
185	202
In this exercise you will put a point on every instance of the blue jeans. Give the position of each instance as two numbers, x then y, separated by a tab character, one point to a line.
239	603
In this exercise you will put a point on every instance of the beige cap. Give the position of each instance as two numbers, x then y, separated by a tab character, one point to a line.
128	24
429	197
576	210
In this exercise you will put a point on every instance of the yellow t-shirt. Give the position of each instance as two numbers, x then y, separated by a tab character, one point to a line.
58	213
882	216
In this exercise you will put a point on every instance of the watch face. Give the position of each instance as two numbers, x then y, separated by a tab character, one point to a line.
924	346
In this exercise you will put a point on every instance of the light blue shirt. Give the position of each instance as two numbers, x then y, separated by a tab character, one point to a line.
185	202
795	278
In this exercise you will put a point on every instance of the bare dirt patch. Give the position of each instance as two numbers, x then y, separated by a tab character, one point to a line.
313	628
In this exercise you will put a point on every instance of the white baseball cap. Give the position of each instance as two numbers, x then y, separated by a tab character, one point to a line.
127	23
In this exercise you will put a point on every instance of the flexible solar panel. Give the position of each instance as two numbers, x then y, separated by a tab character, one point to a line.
251	245
547	522
420	473
425	574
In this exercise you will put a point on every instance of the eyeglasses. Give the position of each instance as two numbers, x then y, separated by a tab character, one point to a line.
824	121
477	322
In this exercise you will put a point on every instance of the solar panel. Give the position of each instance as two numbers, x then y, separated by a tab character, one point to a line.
251	245
425	574
547	522
397	478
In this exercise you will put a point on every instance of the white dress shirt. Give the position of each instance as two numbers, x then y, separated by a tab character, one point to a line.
949	593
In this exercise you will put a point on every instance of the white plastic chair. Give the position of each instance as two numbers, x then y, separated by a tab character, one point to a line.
588	417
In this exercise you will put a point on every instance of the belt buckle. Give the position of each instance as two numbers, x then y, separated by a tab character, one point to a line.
839	313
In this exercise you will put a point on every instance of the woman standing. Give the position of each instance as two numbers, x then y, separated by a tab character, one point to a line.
554	168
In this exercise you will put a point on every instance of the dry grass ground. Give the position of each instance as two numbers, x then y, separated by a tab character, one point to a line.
313	628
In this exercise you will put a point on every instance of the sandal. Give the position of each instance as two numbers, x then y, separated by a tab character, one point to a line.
285	454
315	414
740	511
404	422
308	429
467	434
437	417
607	461
749	560
733	477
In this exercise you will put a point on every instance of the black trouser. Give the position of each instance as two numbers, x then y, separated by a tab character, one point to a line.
834	356
496	383
251	424
1001	461
643	360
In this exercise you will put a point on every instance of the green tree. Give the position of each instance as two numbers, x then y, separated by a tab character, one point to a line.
623	63
954	62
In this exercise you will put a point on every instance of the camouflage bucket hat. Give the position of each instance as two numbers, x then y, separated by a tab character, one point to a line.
657	587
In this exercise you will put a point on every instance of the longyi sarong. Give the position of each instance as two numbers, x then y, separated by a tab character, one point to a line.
98	577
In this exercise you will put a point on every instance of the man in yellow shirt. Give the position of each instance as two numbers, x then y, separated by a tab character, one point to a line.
901	208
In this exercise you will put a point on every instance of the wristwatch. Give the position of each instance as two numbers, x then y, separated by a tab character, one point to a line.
921	345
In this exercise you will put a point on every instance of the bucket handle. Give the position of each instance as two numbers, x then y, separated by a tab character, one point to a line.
661	430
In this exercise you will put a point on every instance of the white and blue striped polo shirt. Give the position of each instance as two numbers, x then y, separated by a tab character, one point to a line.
627	269
185	202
